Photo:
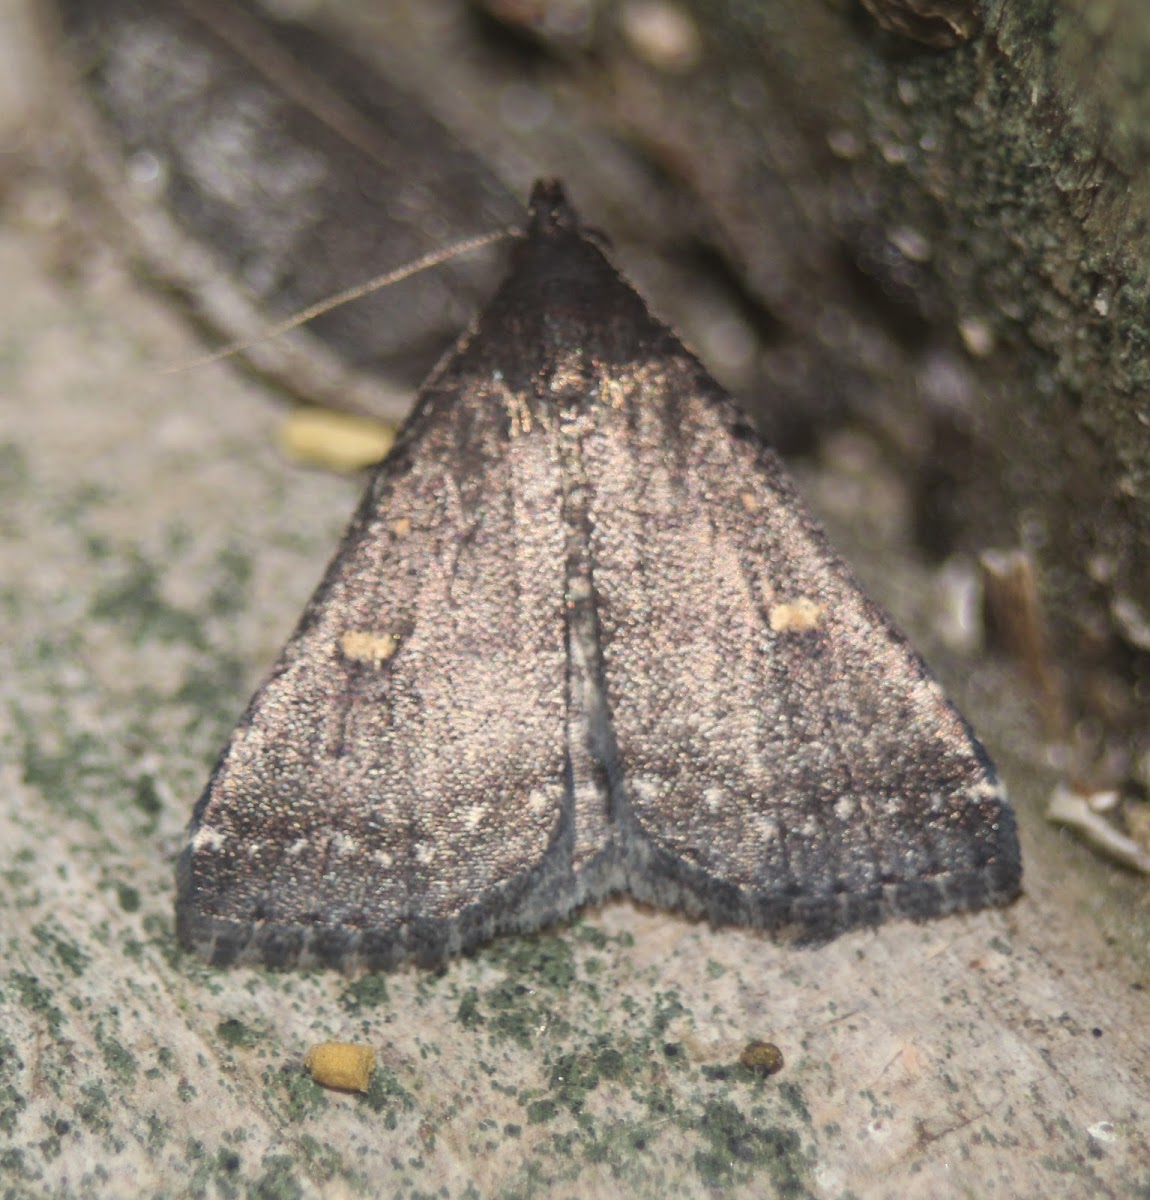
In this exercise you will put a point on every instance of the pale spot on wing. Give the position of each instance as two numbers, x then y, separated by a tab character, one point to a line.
362	646
401	527
796	616
568	373
208	839
342	843
539	803
613	391
646	789
424	854
383	858
845	808
749	501
763	830
297	848
715	799
988	789
518	413
475	815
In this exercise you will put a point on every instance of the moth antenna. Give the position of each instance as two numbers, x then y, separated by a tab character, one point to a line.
396	275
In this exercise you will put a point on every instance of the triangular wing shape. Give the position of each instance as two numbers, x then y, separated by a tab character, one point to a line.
786	758
580	638
398	787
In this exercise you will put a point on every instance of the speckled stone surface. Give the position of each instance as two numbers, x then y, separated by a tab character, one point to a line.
155	551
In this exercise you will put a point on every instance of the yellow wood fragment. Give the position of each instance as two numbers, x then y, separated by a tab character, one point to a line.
345	1066
339	441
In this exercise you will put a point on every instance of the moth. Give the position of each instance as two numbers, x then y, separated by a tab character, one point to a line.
582	638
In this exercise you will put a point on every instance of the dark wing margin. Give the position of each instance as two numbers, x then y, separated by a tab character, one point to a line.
398	786
787	760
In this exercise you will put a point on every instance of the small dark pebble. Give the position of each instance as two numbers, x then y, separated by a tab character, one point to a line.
764	1058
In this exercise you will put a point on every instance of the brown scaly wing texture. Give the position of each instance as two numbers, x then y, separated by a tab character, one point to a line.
775	752
785	758
429	762
582	638
397	788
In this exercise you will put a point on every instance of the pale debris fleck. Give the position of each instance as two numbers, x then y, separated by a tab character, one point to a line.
344	1066
664	35
1080	811
338	441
